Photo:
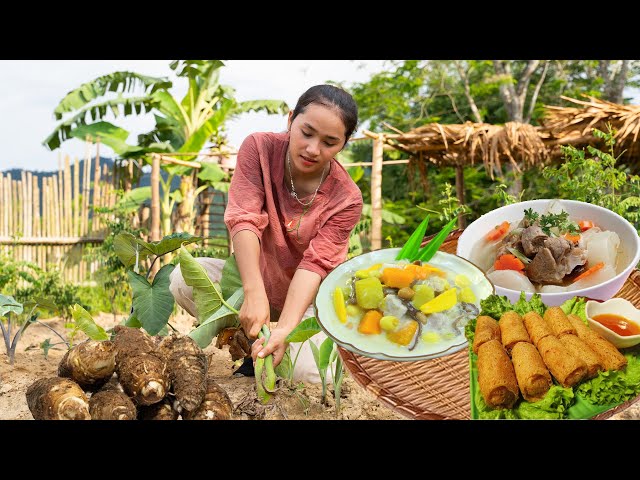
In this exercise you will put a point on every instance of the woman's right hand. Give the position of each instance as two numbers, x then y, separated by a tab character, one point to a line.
254	313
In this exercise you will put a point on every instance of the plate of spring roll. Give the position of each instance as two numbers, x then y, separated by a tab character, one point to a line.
531	361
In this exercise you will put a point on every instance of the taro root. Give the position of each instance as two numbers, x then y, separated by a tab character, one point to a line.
144	377
187	366
142	370
111	404
57	398
158	411
90	364
216	405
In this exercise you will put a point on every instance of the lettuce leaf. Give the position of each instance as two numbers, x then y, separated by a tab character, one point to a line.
523	306
577	306
614	386
554	405
494	306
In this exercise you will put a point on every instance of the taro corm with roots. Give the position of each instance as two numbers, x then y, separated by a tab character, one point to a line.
111	403
90	364
187	365
158	411
141	370
57	398
216	405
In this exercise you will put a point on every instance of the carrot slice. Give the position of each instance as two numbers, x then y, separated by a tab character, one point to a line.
498	232
572	238
508	262
591	271
585	225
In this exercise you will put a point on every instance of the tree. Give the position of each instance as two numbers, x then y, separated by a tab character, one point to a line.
181	126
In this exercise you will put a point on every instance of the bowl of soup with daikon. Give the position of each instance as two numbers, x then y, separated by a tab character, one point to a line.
557	248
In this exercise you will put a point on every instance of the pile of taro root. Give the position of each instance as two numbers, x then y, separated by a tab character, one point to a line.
156	378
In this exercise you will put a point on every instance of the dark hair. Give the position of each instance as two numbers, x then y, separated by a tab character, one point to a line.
332	97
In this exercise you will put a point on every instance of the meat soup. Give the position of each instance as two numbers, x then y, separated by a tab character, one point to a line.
548	253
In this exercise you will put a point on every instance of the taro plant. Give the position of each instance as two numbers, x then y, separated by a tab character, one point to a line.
152	302
217	307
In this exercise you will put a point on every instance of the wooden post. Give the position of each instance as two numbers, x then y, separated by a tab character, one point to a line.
68	214
376	193
462	221
155	198
36	208
86	178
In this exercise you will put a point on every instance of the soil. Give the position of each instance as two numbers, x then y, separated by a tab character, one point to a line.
305	403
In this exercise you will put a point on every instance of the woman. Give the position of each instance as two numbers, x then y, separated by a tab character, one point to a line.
291	210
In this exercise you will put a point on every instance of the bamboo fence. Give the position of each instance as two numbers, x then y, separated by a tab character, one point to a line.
50	220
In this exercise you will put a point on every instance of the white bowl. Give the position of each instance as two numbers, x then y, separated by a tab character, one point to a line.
615	306
376	346
604	218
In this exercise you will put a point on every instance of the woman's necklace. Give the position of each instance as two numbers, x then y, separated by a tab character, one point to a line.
293	188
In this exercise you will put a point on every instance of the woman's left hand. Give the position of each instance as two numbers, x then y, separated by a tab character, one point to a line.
277	346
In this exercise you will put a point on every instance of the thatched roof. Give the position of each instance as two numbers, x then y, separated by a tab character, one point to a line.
517	143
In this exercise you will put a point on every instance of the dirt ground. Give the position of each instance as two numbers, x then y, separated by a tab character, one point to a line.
30	365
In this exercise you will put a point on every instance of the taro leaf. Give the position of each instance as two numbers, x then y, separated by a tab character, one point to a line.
46	346
304	331
9	304
412	246
230	280
176	196
132	321
42	303
169	243
152	303
222	318
434	244
316	356
210	172
126	246
206	295
85	322
221	186
134	198
326	348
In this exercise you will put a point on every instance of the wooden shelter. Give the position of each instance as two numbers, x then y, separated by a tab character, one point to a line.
516	144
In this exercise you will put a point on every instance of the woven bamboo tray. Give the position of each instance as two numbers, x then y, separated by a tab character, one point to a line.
438	389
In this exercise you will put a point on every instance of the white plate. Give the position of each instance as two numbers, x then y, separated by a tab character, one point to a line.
377	346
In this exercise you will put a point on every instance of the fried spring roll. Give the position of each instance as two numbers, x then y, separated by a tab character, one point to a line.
512	330
566	368
532	374
486	329
558	322
536	327
609	355
496	376
578	348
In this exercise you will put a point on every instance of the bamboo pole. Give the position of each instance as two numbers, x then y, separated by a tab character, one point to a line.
7	204
96	189
376	193
155	198
16	212
86	178
36	207
57	210
67	197
76	196
22	194
28	207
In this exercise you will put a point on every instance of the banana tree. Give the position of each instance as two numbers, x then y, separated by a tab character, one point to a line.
183	126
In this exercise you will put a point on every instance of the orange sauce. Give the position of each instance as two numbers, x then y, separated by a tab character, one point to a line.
622	326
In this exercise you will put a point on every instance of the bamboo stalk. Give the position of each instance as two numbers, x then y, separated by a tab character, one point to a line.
155	198
57	210
36	207
86	178
95	225
28	208
2	207
76	197
67	197
16	211
22	193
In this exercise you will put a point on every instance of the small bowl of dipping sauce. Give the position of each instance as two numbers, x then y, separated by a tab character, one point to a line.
617	320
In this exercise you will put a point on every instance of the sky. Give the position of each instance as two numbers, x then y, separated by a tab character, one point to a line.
30	90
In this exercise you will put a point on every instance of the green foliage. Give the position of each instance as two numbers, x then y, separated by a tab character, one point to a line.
96	299
590	175
222	318
84	322
152	302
